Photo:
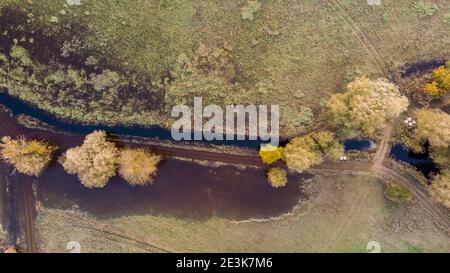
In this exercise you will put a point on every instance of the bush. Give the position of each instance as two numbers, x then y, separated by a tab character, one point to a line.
398	193
138	166
94	162
21	55
277	177
440	188
270	154
29	157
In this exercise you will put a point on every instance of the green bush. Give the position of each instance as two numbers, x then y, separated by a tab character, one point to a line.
398	193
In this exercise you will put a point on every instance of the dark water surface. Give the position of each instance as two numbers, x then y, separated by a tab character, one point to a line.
18	107
421	67
180	189
358	144
422	161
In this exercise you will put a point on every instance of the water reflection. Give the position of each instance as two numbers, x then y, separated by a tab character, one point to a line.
181	189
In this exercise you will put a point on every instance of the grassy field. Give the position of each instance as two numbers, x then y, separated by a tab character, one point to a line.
343	214
295	54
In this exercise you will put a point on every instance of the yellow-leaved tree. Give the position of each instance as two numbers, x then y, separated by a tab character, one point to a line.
433	126
29	157
301	153
365	106
277	177
441	82
94	162
138	166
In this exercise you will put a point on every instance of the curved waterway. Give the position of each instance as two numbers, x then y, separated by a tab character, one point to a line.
19	107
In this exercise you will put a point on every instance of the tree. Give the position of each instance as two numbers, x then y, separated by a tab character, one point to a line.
433	126
327	144
301	153
138	166
29	157
270	154
365	106
441	82
94	162
277	177
440	188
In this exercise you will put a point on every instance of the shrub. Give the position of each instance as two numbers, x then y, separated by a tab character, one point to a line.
440	188
432	89
398	193
21	55
29	157
270	154
305	116
277	177
94	162
138	166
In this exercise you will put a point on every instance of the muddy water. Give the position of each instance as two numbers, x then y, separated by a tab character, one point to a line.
181	189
